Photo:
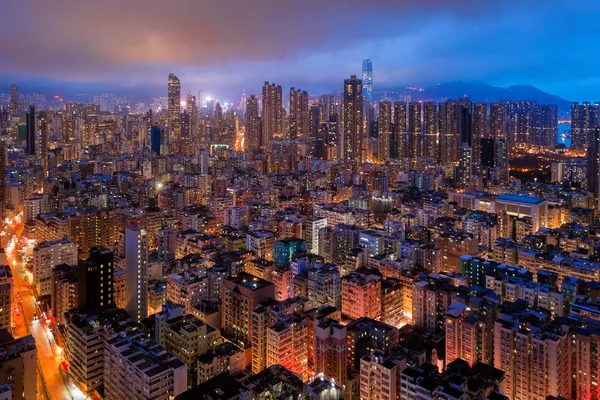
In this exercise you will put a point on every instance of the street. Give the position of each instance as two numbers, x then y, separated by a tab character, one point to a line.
51	383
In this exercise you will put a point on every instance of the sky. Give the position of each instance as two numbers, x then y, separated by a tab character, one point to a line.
226	46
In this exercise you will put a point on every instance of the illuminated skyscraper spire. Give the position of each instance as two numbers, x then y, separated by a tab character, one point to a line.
367	78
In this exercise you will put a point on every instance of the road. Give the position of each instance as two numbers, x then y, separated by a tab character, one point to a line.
52	385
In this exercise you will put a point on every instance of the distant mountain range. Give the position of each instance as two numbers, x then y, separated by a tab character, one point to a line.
485	93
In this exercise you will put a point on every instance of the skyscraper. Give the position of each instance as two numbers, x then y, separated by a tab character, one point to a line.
136	271
253	137
2	181
352	137
544	125
415	141
400	128
367	77
479	130
298	116
174	104
384	123
455	128
155	139
272	112
30	123
44	141
14	100
463	175
430	128
497	121
593	165
95	280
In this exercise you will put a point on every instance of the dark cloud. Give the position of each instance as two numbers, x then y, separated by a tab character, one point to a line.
227	45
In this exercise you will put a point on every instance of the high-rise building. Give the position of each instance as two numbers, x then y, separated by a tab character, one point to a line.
46	256
298	115
352	137
96	280
415	139
544	125
593	165
468	335
14	100
455	128
361	294
314	119
253	136
430	130
186	126
310	233
185	336
6	293
272	112
136	271
138	368
325	286
18	365
330	349
65	291
44	141
30	124
463	175
380	376
400	129
287	344
385	132
2	181
367	78
155	139
479	130
240	296
536	362
84	335
174	104
497	121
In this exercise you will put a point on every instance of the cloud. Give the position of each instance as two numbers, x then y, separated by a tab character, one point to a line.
227	44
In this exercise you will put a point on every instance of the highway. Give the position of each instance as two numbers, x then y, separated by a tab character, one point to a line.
53	383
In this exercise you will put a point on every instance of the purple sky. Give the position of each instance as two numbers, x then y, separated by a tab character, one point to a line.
224	46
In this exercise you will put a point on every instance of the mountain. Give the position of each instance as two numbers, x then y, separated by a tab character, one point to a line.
489	93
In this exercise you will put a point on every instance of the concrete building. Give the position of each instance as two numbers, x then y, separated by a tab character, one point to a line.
240	296
46	256
287	344
325	286
330	349
188	288
186	337
518	206
136	273
65	291
310	233
84	344
380	376
6	292
261	243
138	368
18	365
225	358
361	294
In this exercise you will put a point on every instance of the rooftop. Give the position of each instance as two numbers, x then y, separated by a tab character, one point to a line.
521	199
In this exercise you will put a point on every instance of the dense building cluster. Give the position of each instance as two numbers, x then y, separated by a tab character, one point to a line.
326	247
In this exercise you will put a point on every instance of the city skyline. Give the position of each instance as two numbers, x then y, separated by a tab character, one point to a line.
233	48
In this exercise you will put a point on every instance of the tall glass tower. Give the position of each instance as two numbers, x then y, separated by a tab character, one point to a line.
367	78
